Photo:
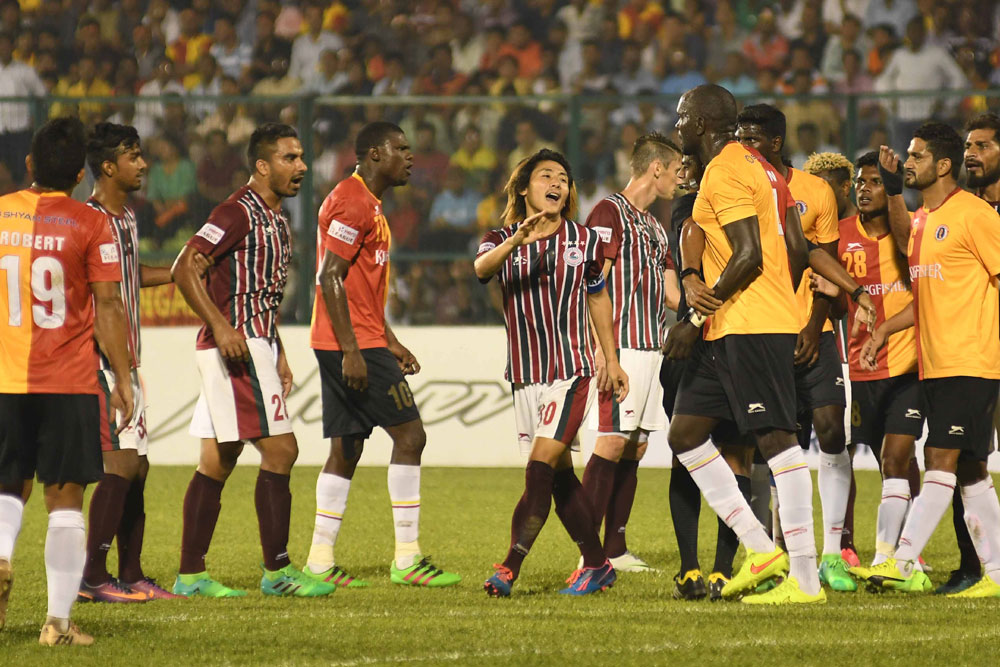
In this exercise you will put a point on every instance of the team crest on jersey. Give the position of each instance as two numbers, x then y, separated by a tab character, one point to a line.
573	256
801	205
750	158
941	232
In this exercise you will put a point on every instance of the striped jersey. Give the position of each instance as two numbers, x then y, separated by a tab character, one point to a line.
878	266
545	286
638	245
52	248
126	235
251	246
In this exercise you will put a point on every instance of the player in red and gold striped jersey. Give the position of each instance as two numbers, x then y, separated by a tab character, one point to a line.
61	291
953	246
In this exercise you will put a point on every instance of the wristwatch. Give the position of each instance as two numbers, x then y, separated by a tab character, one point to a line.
689	272
856	294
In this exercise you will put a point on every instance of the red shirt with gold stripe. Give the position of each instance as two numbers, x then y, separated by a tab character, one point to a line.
353	226
878	266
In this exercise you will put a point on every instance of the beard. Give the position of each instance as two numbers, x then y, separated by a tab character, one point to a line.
987	178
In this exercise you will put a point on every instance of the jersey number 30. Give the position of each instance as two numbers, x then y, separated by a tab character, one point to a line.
47	286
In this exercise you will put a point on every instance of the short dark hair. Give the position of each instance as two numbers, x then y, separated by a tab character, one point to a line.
374	135
770	119
106	142
943	142
869	159
59	152
985	121
264	138
649	147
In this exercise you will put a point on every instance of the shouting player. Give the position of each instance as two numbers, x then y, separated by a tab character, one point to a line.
245	376
117	507
953	247
886	412
61	292
362	365
819	381
636	257
551	272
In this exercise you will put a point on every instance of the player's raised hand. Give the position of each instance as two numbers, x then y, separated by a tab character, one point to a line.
123	401
525	230
888	159
866	315
700	296
407	362
355	371
821	285
284	374
231	343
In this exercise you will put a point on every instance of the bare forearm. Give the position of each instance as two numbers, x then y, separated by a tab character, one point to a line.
487	264
822	263
742	268
193	290
599	307
111	333
898	322
692	245
151	276
899	222
671	291
335	299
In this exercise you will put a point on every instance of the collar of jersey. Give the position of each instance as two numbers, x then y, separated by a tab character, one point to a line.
365	185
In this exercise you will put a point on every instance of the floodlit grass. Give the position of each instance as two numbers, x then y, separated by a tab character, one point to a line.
465	526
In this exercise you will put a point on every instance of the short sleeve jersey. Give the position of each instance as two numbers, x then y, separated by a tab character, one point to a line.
638	246
817	206
126	235
52	248
252	249
878	266
735	186
545	286
353	226
954	256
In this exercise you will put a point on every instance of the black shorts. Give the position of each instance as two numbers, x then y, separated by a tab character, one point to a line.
745	378
821	384
56	436
671	371
959	413
387	401
879	407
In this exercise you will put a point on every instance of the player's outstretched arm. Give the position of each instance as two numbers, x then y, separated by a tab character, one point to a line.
488	263
599	307
332	272
898	322
111	333
820	285
890	171
187	274
822	263
151	276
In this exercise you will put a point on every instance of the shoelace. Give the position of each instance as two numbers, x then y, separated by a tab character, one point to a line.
576	575
152	582
503	572
425	563
119	586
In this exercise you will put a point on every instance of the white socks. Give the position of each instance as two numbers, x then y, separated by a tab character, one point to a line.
925	514
404	493
11	512
331	501
982	516
891	515
65	555
834	481
794	486
718	484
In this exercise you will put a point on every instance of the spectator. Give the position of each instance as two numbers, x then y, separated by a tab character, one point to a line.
734	76
611	44
493	39
527	143
768	81
726	35
677	33
582	20
310	45
232	55
188	47
439	77
835	12
805	108
215	172
204	81
813	35
16	80
524	49
884	43
88	39
454	208
766	47
171	183
592	78
807	138
633	77
329	78
896	13
268	48
472	155
850	39
623	154
801	60
149	114
467	45
229	118
918	66
163	20
86	83
429	161
683	77
855	81
508	81
404	218
484	117
591	190
129	17
279	81
396	81
639	12
147	53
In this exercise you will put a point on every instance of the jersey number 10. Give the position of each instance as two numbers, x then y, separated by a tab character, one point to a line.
47	286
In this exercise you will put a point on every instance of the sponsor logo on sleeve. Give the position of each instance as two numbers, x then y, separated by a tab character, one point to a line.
342	232
109	253
604	233
486	247
211	233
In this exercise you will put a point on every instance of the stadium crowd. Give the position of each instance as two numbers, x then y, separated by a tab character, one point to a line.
786	51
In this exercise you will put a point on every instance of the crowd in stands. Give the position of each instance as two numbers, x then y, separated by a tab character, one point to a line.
176	52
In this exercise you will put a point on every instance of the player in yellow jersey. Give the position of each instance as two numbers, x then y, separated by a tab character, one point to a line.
743	369
837	171
819	376
953	245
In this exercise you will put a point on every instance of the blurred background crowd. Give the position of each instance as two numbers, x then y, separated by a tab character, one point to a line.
214	69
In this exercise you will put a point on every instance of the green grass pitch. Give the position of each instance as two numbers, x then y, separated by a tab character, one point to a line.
465	527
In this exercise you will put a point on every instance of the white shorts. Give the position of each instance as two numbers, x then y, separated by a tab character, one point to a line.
132	436
240	400
643	407
550	410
